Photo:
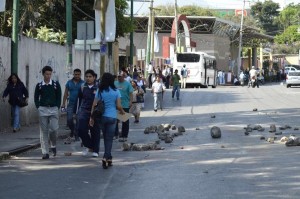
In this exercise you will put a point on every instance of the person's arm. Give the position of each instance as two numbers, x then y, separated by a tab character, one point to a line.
5	93
58	95
66	94
37	96
92	121
119	106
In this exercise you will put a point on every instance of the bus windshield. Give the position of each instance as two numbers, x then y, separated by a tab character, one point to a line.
188	57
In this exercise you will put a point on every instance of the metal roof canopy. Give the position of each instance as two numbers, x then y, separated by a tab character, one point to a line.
224	28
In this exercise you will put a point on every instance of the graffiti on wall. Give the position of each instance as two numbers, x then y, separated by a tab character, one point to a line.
2	69
49	62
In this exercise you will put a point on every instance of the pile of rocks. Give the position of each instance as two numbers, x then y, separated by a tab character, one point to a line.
249	128
164	131
142	147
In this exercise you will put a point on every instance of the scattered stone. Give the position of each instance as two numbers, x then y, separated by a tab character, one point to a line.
215	132
284	139
179	133
296	129
182	147
272	128
246	133
293	141
261	129
162	136
160	128
256	127
255	109
222	146
181	129
160	148
271	140
287	126
173	127
126	146
147	130
248	128
137	147
282	128
262	138
168	139
278	133
205	171
157	142
213	116
197	129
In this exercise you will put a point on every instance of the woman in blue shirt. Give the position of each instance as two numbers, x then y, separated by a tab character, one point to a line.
110	95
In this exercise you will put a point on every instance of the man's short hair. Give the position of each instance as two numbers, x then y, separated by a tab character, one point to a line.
90	71
77	70
46	68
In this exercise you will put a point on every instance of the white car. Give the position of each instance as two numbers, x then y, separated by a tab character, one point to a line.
291	68
293	79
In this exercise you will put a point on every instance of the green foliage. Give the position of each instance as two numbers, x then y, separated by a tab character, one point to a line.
286	48
290	15
289	36
266	13
52	13
190	10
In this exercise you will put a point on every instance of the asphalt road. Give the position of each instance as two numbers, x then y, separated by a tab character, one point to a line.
192	166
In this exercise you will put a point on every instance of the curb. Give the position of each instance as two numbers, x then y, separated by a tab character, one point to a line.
6	154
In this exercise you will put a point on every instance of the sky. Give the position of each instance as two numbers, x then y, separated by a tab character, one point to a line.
143	7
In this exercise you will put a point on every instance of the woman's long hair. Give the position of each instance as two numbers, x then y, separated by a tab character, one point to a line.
107	81
9	80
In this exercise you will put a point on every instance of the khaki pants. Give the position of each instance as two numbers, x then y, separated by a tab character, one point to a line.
48	117
183	82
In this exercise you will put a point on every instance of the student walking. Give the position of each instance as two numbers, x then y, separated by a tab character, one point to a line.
137	100
126	90
157	89
86	97
47	99
71	93
16	91
184	75
110	95
176	85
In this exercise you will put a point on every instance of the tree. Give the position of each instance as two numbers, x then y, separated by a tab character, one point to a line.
289	16
190	10
266	14
52	13
289	36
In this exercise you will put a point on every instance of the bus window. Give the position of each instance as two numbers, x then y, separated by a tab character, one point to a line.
186	57
215	64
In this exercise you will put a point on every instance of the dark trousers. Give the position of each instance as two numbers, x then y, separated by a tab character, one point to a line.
150	81
108	128
92	140
125	127
167	82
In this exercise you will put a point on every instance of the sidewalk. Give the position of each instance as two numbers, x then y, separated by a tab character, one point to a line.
28	138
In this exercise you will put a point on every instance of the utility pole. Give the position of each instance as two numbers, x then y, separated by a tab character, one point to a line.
240	42
103	9
131	35
148	41
176	28
15	38
152	35
69	34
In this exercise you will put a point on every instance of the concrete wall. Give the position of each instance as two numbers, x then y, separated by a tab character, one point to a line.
33	56
5	63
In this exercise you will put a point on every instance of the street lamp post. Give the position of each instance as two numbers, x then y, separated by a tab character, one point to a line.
240	42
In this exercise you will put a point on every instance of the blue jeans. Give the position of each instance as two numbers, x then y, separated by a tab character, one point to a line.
91	141
70	119
125	127
108	125
16	116
176	88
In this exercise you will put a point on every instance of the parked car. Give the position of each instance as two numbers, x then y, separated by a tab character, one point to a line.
293	79
291	68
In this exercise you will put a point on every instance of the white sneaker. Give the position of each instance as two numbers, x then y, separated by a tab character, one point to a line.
85	152
95	155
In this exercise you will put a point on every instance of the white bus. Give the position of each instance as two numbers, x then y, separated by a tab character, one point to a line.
201	68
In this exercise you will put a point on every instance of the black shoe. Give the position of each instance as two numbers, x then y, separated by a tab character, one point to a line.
161	109
45	156
53	150
155	110
104	164
109	163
